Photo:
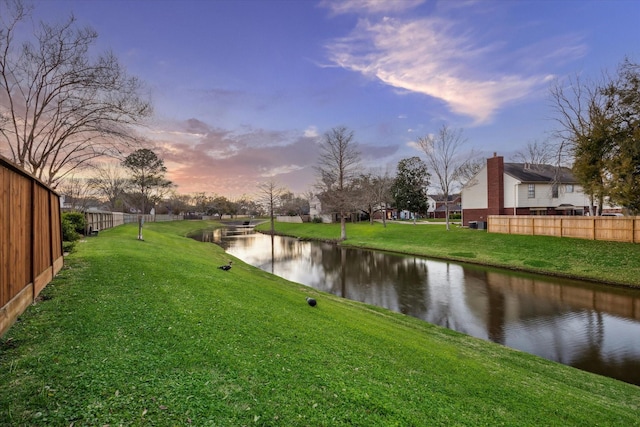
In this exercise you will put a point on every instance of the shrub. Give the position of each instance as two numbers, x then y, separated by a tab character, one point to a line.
72	226
317	220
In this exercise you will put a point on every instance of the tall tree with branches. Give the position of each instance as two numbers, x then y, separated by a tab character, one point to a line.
444	157
338	167
269	196
60	106
409	188
623	103
148	177
147	172
584	134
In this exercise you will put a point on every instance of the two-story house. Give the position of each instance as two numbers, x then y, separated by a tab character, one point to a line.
501	188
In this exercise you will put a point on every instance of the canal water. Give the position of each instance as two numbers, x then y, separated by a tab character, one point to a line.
587	326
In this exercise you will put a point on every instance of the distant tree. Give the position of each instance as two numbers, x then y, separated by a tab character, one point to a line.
199	201
220	205
338	166
410	185
292	205
109	182
177	204
60	106
444	158
270	193
147	176
373	193
536	153
78	193
467	170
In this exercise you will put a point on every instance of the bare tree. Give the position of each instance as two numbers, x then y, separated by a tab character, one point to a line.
338	166
467	170
110	183
536	153
78	193
60	107
444	158
374	193
270	193
580	111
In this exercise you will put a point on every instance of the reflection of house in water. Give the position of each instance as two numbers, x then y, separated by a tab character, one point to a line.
514	307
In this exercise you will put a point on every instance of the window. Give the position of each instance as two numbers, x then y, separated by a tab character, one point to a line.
532	191
568	188
554	191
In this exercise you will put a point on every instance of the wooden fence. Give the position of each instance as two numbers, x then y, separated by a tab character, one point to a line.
101	220
30	240
611	228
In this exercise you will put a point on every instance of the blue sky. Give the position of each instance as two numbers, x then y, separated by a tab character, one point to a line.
244	90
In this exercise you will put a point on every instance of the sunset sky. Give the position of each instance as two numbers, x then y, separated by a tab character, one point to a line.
244	90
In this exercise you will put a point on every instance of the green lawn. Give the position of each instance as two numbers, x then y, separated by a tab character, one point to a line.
608	262
152	333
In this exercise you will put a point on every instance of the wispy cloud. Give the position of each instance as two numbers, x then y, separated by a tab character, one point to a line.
339	7
208	159
435	57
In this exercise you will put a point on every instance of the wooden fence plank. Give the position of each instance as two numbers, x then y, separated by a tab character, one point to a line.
30	240
617	229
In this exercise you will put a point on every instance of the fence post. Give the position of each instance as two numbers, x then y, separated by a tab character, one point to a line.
32	242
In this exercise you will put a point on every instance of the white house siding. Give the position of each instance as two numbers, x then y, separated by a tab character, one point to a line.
544	197
511	186
474	193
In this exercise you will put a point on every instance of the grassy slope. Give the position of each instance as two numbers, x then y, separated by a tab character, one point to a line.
152	333
609	262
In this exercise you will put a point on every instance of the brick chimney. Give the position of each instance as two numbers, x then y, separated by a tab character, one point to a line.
495	185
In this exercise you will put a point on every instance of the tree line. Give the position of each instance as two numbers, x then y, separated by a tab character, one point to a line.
63	107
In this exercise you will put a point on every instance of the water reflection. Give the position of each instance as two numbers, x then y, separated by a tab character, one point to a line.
594	328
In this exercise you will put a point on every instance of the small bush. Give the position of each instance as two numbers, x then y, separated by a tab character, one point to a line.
317	220
72	226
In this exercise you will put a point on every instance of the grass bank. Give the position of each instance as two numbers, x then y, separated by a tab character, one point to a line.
609	262
152	333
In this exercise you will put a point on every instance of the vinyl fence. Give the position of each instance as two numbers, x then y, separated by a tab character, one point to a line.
101	220
30	240
610	228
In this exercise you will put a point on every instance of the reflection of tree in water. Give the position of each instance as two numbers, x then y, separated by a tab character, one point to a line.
592	359
382	279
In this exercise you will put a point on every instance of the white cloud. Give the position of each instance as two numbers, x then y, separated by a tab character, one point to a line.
280	170
339	7
433	57
311	132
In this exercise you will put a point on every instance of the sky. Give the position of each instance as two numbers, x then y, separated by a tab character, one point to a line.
244	91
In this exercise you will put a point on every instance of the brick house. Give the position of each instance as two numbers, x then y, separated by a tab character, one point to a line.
501	188
455	206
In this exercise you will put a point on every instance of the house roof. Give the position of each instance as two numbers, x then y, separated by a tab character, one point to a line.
527	172
455	208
